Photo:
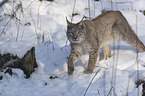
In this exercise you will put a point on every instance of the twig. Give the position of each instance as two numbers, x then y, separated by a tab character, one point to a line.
73	9
11	17
18	24
3	2
110	91
91	82
44	8
18	31
141	61
137	55
116	65
29	5
89	9
116	5
101	4
5	27
104	83
125	2
38	14
113	68
23	28
94	8
128	87
111	5
34	27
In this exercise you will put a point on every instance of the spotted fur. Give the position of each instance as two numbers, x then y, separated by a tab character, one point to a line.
91	35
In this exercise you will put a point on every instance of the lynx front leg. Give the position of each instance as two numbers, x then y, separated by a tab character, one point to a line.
106	52
72	58
92	61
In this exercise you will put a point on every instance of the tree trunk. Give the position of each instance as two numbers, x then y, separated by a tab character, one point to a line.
27	63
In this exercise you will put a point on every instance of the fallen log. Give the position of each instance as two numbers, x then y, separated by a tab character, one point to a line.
27	63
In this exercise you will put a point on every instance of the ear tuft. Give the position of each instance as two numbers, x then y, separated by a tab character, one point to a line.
68	23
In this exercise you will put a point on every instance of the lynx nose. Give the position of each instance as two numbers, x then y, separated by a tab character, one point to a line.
75	37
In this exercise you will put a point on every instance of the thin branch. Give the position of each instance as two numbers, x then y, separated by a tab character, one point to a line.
91	82
116	5
44	8
110	91
137	54
34	26
73	9
29	5
94	8
5	27
128	87
140	61
3	2
13	15
101	4
111	5
38	14
89	9
125	2
104	83
116	66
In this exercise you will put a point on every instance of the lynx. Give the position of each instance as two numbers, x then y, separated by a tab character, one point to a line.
91	35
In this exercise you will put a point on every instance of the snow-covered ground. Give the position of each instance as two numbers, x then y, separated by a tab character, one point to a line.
43	25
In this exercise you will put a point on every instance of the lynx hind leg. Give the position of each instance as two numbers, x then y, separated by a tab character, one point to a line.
106	52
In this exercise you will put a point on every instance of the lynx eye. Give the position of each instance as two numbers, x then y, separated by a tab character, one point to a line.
71	34
68	27
78	32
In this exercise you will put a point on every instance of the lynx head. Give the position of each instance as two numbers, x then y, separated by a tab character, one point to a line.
75	32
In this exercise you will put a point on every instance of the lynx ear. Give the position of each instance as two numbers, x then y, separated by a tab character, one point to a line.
68	23
81	22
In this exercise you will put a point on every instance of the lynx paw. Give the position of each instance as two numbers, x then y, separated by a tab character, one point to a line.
70	71
88	72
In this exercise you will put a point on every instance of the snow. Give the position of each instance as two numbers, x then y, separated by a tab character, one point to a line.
118	74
